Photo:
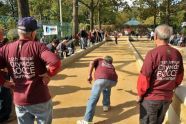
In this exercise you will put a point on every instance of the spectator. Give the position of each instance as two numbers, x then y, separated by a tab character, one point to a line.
89	38
181	40
106	36
43	39
172	39
95	33
52	46
71	47
5	93
116	37
161	73
99	36
152	35
105	78
62	49
30	65
177	39
83	39
102	34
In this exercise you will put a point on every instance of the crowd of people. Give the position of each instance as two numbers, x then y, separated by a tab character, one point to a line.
27	66
67	46
90	38
178	39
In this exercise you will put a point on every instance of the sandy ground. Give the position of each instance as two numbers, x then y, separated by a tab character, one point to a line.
70	91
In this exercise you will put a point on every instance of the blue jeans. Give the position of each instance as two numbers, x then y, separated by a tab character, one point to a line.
41	112
83	43
99	86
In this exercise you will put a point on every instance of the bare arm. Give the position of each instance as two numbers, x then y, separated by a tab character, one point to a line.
91	67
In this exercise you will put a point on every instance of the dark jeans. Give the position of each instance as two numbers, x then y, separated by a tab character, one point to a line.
5	103
153	112
116	40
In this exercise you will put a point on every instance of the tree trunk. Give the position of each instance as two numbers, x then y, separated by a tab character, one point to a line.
75	17
92	15
91	19
155	20
99	16
23	8
168	12
155	13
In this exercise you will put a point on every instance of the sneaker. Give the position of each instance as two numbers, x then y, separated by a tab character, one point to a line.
106	108
83	122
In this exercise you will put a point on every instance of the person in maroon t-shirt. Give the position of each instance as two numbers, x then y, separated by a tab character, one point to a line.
161	73
30	65
105	78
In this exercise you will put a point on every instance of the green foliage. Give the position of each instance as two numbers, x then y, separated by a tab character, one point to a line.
4	9
1	24
11	23
149	21
112	12
84	26
12	34
121	18
184	31
178	19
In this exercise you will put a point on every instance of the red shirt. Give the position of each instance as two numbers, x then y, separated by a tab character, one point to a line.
161	73
104	70
26	60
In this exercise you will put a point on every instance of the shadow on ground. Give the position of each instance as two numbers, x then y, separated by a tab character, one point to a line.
122	66
66	89
62	76
116	114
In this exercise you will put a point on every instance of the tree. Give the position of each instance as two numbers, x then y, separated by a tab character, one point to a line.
153	6
91	6
107	11
99	15
13	8
4	9
75	17
23	8
168	9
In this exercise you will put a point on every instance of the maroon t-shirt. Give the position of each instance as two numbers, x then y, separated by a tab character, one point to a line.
162	64
26	60
104	70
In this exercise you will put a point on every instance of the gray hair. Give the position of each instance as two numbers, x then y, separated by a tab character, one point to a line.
164	32
108	59
21	31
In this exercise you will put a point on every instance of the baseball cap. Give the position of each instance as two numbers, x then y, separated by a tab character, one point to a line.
27	24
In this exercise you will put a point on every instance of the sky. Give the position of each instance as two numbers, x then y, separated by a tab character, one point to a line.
129	1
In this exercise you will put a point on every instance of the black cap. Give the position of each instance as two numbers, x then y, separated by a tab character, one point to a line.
27	24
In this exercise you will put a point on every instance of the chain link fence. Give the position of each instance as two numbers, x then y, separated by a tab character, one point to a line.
9	24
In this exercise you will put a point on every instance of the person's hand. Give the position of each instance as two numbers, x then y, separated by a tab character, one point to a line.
46	78
89	79
9	84
139	99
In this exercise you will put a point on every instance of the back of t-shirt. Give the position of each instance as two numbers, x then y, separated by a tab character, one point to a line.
162	64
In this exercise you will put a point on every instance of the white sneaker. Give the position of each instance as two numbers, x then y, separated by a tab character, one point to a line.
83	122
106	108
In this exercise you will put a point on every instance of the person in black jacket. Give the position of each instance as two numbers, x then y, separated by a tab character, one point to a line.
5	93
